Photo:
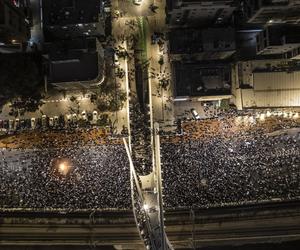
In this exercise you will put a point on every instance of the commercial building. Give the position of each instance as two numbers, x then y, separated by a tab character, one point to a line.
72	33
201	63
79	64
267	73
272	11
64	19
267	83
14	25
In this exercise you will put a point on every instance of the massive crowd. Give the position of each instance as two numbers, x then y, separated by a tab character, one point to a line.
216	161
232	167
141	138
98	177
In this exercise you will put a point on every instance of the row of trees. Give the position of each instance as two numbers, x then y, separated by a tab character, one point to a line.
109	97
21	81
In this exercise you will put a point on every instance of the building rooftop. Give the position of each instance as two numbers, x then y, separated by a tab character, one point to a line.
72	60
199	79
280	49
64	12
83	67
188	41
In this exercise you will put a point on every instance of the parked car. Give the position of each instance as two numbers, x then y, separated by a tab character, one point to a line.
33	123
95	115
11	124
17	124
51	122
83	115
195	114
55	121
44	121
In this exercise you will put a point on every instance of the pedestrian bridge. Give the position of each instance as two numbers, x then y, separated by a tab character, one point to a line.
186	229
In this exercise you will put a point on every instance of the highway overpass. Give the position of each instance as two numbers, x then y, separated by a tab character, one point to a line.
270	222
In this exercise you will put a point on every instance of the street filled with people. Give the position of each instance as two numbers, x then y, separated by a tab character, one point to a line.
232	160
76	177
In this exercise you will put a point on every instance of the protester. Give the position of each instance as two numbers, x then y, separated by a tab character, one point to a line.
218	162
98	178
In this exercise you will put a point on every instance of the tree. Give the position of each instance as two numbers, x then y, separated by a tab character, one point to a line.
21	81
110	97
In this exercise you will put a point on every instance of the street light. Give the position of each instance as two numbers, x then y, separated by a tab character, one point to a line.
64	168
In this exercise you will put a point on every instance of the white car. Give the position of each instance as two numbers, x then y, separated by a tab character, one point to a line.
55	120
83	115
51	121
32	121
195	114
95	115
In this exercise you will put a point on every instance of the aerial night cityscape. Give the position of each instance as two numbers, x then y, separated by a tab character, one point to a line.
149	124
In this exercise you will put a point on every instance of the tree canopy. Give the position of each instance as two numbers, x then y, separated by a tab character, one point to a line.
21	79
110	97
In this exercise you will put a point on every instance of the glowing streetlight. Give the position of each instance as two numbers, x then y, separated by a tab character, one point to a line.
64	168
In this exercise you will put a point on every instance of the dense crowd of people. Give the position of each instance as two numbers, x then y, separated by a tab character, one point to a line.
240	167
98	178
140	138
224	160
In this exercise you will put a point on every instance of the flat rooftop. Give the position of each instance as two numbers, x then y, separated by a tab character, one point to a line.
64	12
